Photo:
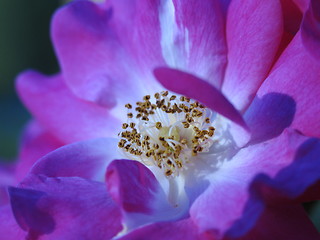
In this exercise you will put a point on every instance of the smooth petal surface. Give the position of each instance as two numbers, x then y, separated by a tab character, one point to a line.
134	187
177	230
296	74
254	32
310	29
65	208
36	142
9	229
225	199
86	47
69	118
195	88
142	37
87	159
200	35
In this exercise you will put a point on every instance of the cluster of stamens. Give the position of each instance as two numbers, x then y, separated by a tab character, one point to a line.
167	131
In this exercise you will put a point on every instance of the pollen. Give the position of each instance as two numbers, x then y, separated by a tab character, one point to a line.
166	131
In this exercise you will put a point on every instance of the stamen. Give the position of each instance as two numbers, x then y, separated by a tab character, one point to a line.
167	132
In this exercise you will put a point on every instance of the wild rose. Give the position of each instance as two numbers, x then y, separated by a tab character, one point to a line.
197	173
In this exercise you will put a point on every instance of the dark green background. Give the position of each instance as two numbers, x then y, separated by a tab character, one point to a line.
24	44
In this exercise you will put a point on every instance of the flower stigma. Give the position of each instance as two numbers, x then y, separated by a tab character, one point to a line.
166	131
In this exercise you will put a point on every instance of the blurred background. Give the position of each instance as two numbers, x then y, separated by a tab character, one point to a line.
25	44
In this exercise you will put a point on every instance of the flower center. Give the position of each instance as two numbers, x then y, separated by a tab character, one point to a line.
167	132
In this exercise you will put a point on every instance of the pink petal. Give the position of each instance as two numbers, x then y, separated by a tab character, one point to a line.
141	37
310	29
94	58
87	159
183	229
69	118
195	88
36	142
8	227
201	34
296	76
65	208
134	187
254	31
225	199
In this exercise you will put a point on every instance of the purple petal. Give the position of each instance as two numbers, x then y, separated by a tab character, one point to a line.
195	88
134	187
183	229
228	192
310	29
296	78
36	142
9	227
69	118
204	45
94	60
65	208
254	31
87	159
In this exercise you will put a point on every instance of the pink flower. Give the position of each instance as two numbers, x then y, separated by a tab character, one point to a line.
254	70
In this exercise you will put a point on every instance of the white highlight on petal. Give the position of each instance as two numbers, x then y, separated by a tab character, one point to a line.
175	42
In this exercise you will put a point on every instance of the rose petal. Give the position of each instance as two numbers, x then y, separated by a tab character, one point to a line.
200	35
70	119
269	116
9	227
195	88
87	159
310	29
95	60
36	142
65	208
183	229
296	74
137	191
228	190
254	32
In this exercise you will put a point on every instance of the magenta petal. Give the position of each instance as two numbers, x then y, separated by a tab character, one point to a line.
69	118
141	37
205	26
194	87
296	75
183	229
94	63
134	187
228	192
254	31
279	222
87	159
310	29
65	208
36	142
9	229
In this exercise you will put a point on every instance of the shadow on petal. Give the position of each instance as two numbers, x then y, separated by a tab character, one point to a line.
269	116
